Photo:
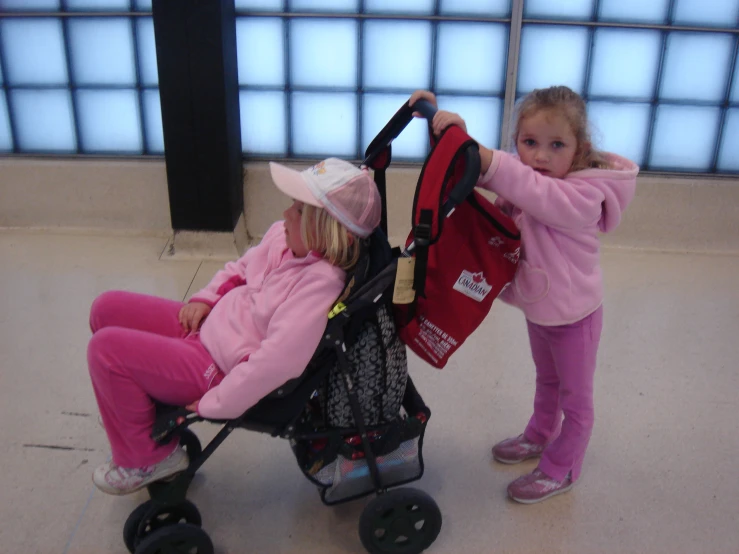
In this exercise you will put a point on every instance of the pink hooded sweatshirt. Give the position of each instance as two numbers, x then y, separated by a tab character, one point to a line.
559	279
270	310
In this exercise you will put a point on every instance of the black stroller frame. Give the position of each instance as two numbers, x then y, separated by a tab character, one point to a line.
401	520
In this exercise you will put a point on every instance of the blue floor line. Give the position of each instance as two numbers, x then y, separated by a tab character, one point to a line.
79	522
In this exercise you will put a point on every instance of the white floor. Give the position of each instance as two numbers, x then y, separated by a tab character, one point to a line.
660	475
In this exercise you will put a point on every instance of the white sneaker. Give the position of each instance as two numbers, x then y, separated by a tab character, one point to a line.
113	479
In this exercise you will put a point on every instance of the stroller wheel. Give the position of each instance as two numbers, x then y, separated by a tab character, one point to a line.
183	537
191	443
155	519
402	521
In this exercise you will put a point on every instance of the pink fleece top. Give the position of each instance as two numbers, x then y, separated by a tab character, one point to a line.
269	312
559	279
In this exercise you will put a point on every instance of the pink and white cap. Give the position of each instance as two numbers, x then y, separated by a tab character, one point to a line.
348	193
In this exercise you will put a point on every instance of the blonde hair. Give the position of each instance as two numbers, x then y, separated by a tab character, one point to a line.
571	106
327	237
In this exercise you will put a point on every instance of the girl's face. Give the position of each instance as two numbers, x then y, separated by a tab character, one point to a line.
293	217
546	142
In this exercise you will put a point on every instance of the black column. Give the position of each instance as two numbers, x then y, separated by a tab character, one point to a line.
198	84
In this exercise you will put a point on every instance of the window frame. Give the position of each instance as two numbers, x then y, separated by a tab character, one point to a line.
515	20
65	15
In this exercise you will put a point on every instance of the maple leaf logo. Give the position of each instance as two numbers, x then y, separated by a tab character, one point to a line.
477	277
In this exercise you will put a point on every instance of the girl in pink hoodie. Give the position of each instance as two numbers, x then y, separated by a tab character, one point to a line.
254	327
561	193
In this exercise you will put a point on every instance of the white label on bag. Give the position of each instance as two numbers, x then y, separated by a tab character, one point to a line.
473	285
433	340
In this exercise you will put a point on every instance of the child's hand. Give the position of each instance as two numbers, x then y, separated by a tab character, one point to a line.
193	314
422	95
193	407
444	119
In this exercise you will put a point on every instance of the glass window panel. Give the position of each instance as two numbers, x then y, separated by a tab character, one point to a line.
399	6
43	120
109	121
143	5
2	77
561	9
351	6
735	85
29	5
377	109
481	115
625	62
728	159
489	8
634	11
102	51
722	13
260	51
34	52
696	66
620	128
153	122
324	124
6	137
457	70
323	52
95	5
263	123
261	5
146	45
552	56
684	137
397	54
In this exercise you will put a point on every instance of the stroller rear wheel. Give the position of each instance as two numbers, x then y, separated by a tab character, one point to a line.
402	521
156	518
182	538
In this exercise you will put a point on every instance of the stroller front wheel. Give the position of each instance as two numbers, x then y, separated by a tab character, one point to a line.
148	519
401	521
182	537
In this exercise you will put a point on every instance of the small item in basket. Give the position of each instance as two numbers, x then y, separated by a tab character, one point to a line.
404	293
316	467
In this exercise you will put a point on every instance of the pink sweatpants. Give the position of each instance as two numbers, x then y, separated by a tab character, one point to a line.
565	359
139	352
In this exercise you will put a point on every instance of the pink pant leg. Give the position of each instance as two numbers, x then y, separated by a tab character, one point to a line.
575	351
544	424
138	352
129	368
136	311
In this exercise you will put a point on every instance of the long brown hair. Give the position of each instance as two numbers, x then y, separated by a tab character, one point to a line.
571	106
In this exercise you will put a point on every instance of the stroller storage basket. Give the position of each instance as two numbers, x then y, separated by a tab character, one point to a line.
334	459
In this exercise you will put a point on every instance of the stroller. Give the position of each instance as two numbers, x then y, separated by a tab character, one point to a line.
354	418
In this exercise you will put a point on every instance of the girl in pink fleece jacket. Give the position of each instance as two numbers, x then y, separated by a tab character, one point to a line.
561	193
255	326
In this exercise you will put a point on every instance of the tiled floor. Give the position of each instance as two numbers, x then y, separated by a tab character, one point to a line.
660	476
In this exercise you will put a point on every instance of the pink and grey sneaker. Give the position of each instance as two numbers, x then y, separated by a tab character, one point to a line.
516	449
537	486
117	480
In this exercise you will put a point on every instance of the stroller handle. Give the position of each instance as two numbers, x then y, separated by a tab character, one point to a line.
425	108
395	126
377	157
